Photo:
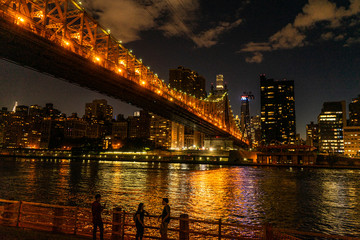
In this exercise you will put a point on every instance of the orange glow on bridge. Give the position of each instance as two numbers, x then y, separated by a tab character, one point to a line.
67	24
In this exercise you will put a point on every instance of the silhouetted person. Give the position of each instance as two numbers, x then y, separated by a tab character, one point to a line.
165	218
139	221
96	209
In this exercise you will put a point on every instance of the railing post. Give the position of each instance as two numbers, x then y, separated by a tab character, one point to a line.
57	220
268	233
219	228
123	225
75	220
116	221
19	214
184	227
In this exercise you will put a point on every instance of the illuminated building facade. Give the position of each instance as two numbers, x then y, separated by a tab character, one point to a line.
165	133
354	112
277	111
245	114
139	125
160	131
255	130
177	136
220	87
98	115
352	141
98	110
219	82
192	83
193	139
331	121
312	134
74	127
120	129
237	121
187	81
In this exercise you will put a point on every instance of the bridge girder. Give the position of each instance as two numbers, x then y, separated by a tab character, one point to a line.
69	44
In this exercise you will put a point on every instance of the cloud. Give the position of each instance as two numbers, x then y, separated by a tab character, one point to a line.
351	41
210	37
254	47
295	34
288	37
327	36
128	18
256	58
124	18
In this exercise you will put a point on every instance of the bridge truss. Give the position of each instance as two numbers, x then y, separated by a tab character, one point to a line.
66	24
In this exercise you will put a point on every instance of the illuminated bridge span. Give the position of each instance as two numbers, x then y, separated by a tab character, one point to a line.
60	38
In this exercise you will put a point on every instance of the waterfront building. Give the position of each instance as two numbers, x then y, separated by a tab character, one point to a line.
139	125
220	87
75	127
94	130
187	80
255	130
52	133
99	111
98	115
165	133
245	114
277	111
120	129
193	139
160	131
50	111
177	136
331	121
36	111
352	141
237	121
4	118
312	135
191	83
22	110
354	112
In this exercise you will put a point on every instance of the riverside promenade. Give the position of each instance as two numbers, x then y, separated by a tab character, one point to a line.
233	158
118	224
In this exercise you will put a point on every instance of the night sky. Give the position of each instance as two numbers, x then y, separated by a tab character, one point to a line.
316	43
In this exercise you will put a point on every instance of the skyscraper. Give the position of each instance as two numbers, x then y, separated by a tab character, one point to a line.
245	113
139	125
352	132
277	111
354	112
312	134
188	81
98	110
331	121
219	82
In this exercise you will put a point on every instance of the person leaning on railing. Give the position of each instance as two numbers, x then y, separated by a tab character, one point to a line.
139	221
165	218
96	210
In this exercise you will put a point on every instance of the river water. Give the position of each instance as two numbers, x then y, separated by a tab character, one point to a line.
322	200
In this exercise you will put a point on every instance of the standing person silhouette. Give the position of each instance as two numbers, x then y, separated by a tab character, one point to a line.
96	210
165	218
139	221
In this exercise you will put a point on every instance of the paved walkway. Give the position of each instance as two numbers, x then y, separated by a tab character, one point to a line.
13	233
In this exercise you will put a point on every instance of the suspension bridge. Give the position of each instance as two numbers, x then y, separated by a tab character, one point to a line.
59	38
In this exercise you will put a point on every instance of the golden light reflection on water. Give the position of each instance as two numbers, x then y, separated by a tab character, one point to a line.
309	199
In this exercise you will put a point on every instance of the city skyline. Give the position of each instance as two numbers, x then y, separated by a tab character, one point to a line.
240	42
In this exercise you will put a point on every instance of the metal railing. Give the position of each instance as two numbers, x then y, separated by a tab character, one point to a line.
119	224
